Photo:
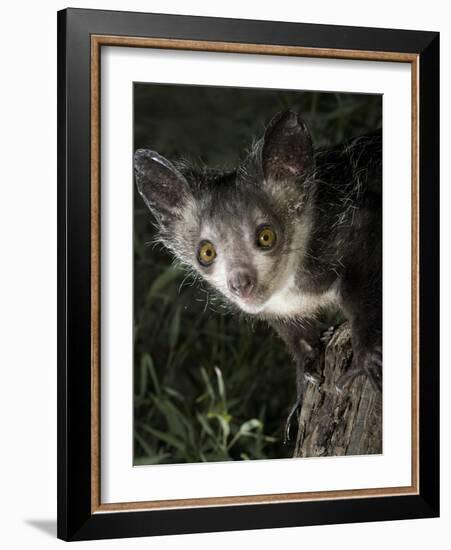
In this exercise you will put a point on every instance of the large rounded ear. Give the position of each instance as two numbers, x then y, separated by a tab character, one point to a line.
287	148
163	188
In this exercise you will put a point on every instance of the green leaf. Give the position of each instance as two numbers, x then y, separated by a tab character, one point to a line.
150	452
146	461
173	393
205	425
174	329
208	385
163	280
224	422
177	423
142	378
248	427
147	363
167	438
221	386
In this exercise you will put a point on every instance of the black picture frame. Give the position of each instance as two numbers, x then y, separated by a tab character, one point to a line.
76	520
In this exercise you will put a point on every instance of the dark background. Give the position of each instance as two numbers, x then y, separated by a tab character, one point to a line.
209	386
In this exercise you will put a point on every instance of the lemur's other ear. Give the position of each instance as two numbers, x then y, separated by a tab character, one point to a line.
287	147
163	188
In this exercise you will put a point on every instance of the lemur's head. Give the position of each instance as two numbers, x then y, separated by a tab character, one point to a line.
243	231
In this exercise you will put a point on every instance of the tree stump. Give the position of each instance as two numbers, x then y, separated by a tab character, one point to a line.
337	424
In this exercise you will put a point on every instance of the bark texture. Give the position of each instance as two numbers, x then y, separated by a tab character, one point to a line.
334	424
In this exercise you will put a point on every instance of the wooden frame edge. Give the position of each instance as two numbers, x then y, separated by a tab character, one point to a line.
95	276
246	500
415	175
110	40
249	48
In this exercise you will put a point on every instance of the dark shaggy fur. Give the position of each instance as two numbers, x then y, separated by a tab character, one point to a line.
324	208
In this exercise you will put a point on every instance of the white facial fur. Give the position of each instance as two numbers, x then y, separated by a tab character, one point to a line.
276	294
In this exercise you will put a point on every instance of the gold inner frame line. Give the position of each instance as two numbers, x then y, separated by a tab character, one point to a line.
97	41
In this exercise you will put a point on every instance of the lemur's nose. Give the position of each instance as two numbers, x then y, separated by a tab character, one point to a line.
241	282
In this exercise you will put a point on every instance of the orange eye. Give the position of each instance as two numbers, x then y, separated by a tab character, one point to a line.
266	237
207	253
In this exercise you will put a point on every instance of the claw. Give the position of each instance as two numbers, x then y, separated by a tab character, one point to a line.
374	374
314	378
295	408
372	368
346	378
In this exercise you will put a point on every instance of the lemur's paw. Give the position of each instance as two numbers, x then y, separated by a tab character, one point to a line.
327	335
314	378
311	372
367	363
373	368
345	379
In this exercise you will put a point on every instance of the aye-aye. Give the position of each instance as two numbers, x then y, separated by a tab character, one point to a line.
291	232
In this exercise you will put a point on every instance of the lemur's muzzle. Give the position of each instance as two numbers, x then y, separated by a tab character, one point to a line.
242	282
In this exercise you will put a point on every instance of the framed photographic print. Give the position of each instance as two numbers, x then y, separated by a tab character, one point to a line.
248	274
